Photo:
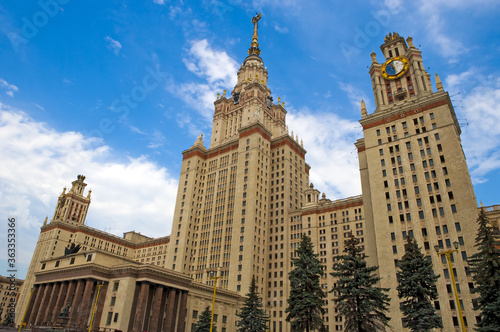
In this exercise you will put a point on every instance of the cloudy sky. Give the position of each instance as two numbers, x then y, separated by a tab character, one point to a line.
116	90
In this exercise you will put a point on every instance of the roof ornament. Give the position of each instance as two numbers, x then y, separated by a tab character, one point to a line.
254	46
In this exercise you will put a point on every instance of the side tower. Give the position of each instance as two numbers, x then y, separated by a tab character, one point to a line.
231	213
71	209
414	177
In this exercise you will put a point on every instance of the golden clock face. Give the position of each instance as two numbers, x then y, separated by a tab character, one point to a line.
395	68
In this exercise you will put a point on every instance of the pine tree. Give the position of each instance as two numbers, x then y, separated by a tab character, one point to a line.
305	303
252	317
485	268
417	287
363	305
203	324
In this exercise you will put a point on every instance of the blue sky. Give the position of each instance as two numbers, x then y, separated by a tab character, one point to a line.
115	90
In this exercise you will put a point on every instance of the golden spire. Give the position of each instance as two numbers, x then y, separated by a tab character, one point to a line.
254	46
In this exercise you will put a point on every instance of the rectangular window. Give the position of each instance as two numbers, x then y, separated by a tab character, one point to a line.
108	319
453	208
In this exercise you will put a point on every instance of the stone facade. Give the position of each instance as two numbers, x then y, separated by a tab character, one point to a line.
9	293
243	203
117	293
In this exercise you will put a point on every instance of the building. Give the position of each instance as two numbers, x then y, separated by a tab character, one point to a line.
414	177
243	203
9	293
72	263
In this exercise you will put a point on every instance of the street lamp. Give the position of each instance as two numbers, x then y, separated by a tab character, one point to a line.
215	277
448	253
99	285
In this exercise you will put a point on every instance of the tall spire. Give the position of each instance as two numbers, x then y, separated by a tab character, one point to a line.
254	46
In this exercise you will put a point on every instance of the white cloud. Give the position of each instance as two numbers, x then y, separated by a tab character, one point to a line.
156	140
454	81
9	88
40	107
393	5
37	162
479	114
280	29
355	95
448	43
449	48
214	66
329	141
159	2
113	45
217	71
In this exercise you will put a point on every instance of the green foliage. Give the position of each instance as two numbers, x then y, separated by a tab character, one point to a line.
485	268
363	305
252	317
323	328
417	287
203	324
305	303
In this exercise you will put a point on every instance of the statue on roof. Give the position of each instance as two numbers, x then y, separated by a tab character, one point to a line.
254	46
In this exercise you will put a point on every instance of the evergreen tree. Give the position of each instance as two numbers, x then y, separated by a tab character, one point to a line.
252	317
417	287
485	268
305	303
363	305
203	324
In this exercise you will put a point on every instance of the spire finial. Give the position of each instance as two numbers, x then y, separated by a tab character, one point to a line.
439	85
254	46
363	108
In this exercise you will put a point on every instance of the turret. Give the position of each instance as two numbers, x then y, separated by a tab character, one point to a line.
72	207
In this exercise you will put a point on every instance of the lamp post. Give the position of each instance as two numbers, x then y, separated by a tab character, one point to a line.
214	277
99	285
448	253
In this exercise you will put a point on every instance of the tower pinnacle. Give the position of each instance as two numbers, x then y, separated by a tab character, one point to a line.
254	46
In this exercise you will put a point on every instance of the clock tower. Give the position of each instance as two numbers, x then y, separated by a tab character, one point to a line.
415	179
402	76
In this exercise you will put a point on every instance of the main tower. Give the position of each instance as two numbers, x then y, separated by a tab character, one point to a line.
234	198
414	177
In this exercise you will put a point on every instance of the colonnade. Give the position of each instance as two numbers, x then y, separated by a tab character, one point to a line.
50	298
155	307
